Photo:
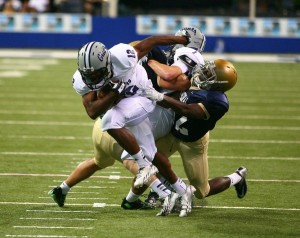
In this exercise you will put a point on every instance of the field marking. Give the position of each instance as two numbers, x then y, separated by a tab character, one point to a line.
260	117
46	204
26	67
92	187
46	236
234	127
123	177
102	205
266	109
81	198
61	211
29	61
50	137
71	113
46	123
250	208
211	140
175	156
249	157
12	74
90	124
254	141
55	227
57	218
63	113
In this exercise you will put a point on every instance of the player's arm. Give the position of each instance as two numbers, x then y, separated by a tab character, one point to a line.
143	47
168	73
170	77
193	110
97	104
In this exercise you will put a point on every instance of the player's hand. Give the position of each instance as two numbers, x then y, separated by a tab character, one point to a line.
186	34
152	94
118	87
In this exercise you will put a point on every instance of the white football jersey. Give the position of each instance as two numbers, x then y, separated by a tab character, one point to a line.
192	54
125	67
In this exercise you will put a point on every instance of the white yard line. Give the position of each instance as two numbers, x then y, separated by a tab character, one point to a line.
55	227
118	205
126	177
46	236
57	218
71	113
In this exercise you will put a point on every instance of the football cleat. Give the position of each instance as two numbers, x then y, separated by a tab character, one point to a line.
168	204
152	199
57	195
136	205
144	175
186	201
241	187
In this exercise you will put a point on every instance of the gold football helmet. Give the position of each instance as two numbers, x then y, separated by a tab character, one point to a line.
217	75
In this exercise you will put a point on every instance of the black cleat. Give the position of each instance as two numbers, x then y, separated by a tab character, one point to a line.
58	196
241	187
136	205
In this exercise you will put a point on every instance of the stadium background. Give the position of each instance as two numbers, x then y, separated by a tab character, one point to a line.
253	26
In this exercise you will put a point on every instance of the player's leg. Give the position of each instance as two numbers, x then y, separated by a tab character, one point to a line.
167	146
129	112
105	150
194	159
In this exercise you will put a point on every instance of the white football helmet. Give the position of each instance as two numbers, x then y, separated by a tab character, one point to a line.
217	75
94	64
197	38
197	42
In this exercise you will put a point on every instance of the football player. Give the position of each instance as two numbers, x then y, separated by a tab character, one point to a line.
196	113
87	81
127	120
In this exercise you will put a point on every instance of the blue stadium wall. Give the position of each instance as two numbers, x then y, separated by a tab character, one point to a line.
123	29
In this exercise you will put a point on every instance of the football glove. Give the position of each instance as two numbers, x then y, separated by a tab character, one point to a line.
152	94
118	87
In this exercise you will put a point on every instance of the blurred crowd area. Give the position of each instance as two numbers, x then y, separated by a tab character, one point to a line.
264	8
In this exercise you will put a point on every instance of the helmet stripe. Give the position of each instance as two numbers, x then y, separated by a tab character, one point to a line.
87	52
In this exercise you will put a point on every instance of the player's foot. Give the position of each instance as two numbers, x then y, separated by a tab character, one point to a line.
186	201
241	187
168	204
152	199
144	175
136	205
58	196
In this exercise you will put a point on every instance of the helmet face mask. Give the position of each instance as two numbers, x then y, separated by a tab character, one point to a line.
94	65
218	75
204	76
94	79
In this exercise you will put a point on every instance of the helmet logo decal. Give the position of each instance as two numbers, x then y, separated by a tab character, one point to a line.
190	29
101	55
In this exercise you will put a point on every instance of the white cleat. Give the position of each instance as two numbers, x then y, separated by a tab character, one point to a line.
168	204
144	175
186	201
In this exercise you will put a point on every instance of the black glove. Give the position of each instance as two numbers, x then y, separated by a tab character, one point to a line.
118	87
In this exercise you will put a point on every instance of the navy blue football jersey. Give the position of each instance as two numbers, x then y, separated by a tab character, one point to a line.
189	129
157	54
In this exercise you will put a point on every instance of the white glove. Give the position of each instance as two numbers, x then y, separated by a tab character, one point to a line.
153	95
